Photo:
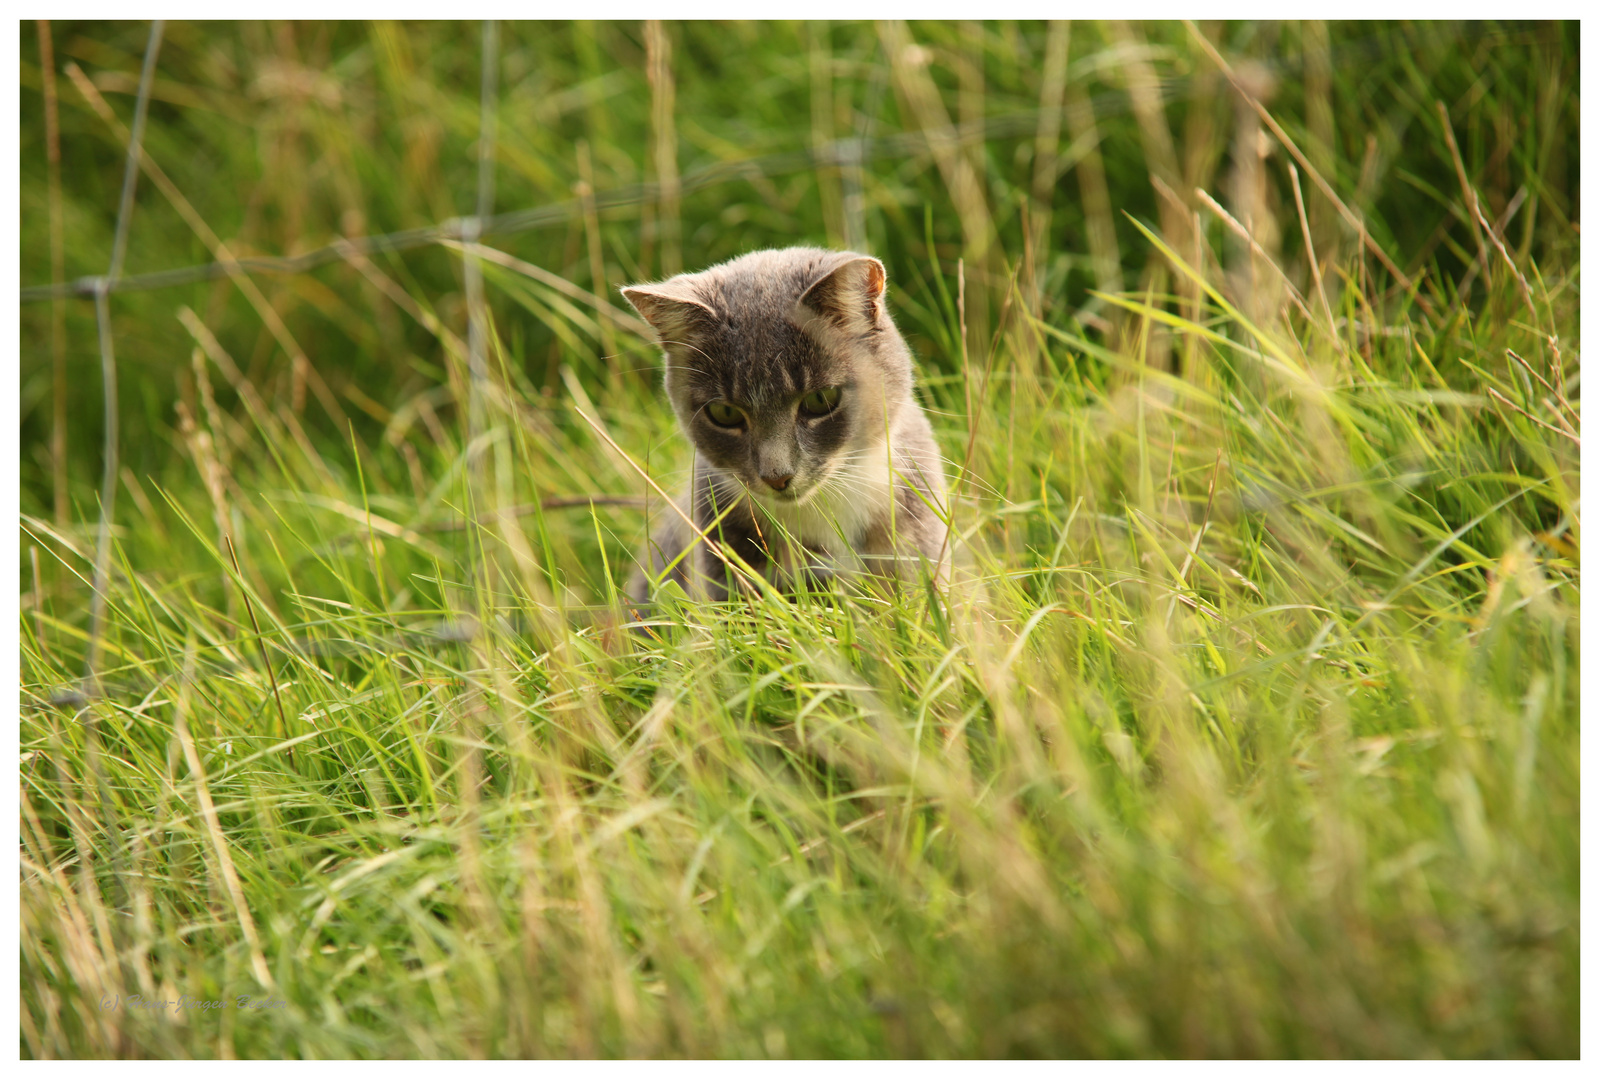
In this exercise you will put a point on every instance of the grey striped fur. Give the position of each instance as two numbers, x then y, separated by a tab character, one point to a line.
865	489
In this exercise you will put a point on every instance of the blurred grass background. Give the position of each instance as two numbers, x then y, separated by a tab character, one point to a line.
1259	737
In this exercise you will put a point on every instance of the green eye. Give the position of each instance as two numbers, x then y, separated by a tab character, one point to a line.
820	402
724	415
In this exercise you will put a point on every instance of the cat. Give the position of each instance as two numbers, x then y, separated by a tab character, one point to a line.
812	458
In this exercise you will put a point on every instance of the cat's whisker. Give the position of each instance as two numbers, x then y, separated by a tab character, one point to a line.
687	345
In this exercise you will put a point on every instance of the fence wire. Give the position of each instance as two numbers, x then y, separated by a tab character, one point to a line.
850	155
847	154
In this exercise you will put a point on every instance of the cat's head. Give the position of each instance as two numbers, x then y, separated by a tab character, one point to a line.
781	365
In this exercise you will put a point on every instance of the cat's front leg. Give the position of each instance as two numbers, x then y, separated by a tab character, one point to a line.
806	567
736	541
911	545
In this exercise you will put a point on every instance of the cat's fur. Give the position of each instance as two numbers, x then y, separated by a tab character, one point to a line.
860	489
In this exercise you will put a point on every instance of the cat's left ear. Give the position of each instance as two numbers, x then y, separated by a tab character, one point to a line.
850	295
672	309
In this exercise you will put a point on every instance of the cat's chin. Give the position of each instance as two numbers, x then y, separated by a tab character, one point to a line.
783	502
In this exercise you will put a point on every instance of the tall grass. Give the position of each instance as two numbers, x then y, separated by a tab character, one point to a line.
1251	728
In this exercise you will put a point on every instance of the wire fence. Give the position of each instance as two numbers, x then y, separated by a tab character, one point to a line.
850	155
108	359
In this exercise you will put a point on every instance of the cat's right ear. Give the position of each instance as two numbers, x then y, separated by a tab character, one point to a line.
850	296
676	316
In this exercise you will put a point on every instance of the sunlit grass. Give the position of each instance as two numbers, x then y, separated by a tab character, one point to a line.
1249	728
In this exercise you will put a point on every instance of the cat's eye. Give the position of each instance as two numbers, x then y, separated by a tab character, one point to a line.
820	402
724	415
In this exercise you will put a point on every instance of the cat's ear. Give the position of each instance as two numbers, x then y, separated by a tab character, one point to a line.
671	309
850	295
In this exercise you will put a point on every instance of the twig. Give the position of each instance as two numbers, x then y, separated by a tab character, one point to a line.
1498	396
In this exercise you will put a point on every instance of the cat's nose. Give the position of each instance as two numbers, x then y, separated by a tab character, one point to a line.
777	481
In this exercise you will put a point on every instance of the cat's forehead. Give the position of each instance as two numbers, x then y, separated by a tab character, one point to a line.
758	352
757	357
782	272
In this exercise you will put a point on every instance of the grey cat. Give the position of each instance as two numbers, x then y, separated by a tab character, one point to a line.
811	455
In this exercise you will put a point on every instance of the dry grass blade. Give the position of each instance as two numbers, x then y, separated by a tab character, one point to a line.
1469	197
1259	252
219	840
663	96
1522	282
1144	90
609	316
58	313
403	300
607	310
1311	248
1565	430
1046	144
910	64
1499	230
1559	392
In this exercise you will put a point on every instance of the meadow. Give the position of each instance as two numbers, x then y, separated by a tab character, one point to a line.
1249	728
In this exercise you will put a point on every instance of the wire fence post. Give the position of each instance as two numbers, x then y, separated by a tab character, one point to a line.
477	313
851	154
108	364
481	619
471	230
